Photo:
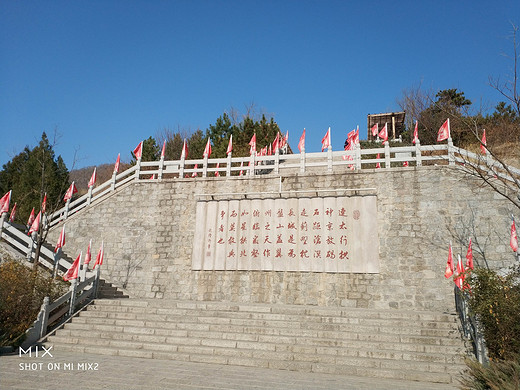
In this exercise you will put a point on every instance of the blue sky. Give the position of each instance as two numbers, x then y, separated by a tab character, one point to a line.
108	73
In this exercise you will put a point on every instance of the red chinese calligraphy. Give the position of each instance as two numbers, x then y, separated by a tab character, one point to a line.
330	254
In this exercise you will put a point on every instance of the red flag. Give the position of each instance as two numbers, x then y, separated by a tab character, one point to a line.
72	190
230	145
88	255
301	144
194	174
100	256
116	166
138	151
163	151
207	149
61	240
4	203
355	138
217	173
375	130
325	141
444	131
252	143
513	241
276	142
184	153
72	272
416	132
378	165
44	203
484	143
36	224
13	213
449	265
383	134
93	178
270	151
241	166
31	218
469	257
458	278
283	140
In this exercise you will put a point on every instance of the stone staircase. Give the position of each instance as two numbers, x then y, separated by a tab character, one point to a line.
409	345
108	291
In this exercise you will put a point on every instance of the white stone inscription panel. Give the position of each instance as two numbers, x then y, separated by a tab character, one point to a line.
320	234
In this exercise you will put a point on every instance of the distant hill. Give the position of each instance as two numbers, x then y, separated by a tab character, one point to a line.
82	176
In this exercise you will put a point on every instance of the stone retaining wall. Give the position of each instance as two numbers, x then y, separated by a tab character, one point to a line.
148	230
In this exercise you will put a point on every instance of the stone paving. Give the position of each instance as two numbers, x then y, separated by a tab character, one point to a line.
70	371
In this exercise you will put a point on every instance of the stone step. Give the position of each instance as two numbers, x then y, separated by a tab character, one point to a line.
108	291
318	344
382	368
274	344
156	320
178	314
321	337
159	307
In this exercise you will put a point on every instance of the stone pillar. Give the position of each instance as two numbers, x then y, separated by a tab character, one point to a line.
451	152
205	166
302	160
228	165
418	156
387	155
161	167
329	159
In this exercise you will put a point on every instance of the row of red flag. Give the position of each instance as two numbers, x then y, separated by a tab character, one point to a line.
279	142
72	272
34	225
443	134
459	272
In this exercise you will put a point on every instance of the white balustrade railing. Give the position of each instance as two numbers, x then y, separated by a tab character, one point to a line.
283	164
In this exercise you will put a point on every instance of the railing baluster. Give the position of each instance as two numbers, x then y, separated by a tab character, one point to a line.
418	155
387	155
161	167
329	159
228	165
302	160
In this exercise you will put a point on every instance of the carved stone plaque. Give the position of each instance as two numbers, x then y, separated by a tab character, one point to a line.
319	234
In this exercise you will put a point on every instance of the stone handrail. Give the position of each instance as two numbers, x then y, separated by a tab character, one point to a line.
53	314
279	164
25	244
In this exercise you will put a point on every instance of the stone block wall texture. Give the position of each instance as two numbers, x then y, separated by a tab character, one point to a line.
148	229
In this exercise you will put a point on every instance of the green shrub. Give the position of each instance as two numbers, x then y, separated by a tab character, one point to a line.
21	296
495	300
